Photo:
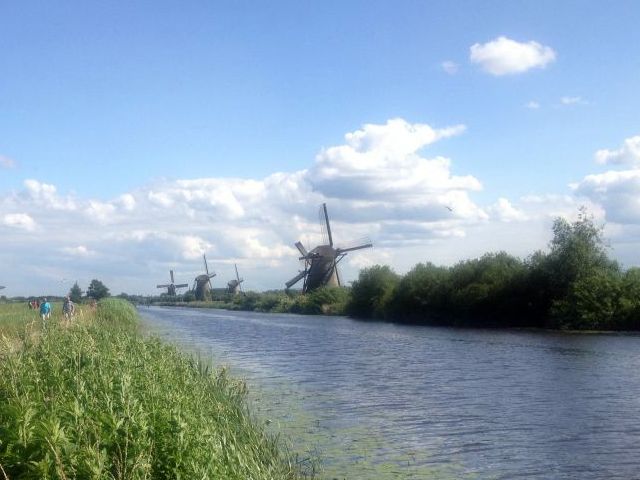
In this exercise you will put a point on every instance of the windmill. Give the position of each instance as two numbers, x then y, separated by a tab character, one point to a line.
321	263
233	286
202	283
171	287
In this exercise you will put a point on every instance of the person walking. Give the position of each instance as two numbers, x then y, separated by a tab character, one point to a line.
45	311
68	308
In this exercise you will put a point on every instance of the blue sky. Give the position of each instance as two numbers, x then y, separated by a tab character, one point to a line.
101	101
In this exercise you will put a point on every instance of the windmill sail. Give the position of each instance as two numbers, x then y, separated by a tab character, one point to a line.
171	287
321	263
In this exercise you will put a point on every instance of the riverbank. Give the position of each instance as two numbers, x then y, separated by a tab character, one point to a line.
323	301
574	286
96	399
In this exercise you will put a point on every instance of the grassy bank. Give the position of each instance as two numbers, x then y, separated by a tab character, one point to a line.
97	400
323	301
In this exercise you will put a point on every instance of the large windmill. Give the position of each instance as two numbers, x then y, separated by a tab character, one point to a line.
233	286
202	283
171	287
321	263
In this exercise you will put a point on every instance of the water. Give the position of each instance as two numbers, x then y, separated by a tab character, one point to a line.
377	400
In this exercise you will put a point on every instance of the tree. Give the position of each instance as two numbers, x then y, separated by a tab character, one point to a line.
75	293
372	292
97	290
576	280
423	293
577	250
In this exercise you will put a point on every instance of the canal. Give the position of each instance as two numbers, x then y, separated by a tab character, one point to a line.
379	400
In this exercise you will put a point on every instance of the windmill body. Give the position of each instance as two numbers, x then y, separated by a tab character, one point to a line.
322	268
171	287
202	283
321	263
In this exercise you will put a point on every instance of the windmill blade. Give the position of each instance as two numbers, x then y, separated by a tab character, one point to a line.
163	286
303	251
238	277
357	247
206	268
326	219
182	285
171	275
335	266
296	279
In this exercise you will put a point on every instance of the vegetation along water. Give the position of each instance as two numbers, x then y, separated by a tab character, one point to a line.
572	286
95	399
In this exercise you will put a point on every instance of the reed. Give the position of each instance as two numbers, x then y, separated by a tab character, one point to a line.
97	400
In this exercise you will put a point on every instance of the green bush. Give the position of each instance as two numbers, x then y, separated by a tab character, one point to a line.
372	292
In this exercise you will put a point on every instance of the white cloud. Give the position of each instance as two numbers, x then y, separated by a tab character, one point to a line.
450	67
46	196
127	201
379	174
506	212
78	251
21	221
6	162
573	101
504	56
532	105
100	212
628	153
617	191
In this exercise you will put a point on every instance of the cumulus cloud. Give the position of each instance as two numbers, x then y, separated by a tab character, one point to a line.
386	181
506	212
21	221
504	56
532	105
101	212
127	201
6	162
617	191
45	196
380	172
628	153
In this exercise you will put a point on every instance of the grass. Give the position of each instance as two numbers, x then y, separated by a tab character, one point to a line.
96	400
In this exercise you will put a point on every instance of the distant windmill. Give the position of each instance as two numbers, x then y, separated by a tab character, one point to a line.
233	286
171	287
321	263
202	283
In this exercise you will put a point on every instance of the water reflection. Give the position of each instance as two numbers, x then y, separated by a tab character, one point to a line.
390	401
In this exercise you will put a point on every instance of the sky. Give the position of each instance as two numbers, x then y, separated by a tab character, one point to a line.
136	136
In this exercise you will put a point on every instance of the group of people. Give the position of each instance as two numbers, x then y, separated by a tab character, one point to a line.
68	308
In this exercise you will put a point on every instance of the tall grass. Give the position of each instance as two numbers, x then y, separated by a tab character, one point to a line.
96	400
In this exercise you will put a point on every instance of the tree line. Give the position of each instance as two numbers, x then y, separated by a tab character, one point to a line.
574	285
